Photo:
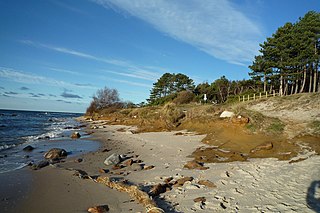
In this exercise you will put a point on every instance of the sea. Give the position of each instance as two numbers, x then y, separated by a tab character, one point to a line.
41	130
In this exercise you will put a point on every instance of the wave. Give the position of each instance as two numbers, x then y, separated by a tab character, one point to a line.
7	146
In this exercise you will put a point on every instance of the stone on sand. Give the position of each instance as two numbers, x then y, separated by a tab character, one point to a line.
226	114
112	159
263	146
99	209
75	135
56	153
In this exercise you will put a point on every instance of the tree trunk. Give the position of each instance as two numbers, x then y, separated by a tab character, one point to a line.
310	80
315	79
271	87
297	86
304	80
265	83
292	87
286	88
281	86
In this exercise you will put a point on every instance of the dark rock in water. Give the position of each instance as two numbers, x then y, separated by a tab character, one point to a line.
14	115
28	148
68	127
3	156
47	137
3	126
26	156
40	165
75	135
1	114
55	153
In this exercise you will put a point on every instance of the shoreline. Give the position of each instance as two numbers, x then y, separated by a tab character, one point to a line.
255	185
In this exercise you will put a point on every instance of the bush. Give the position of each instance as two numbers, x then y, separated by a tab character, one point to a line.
184	97
172	115
92	108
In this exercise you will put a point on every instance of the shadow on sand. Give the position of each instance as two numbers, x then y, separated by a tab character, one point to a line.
313	201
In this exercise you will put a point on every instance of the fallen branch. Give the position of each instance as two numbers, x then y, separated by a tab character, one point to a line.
134	192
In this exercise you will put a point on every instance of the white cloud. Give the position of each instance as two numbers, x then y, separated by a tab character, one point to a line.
213	26
132	83
24	77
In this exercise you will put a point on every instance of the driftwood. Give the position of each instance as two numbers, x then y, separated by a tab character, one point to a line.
134	192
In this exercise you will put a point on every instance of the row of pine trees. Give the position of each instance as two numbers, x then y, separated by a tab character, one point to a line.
289	59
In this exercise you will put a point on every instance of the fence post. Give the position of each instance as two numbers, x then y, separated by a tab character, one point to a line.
266	94
260	95
243	99
248	97
274	93
254	96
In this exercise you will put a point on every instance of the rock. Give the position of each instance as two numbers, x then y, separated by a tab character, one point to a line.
168	180
263	146
28	148
79	160
148	167
55	154
106	150
136	167
75	135
192	186
112	159
81	174
158	189
128	162
200	199
207	183
240	120
103	171
99	209
195	165
181	181
226	114
40	165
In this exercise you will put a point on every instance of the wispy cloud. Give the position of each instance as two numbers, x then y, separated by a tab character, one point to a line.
65	94
24	88
132	83
139	74
11	93
24	77
213	26
133	71
64	71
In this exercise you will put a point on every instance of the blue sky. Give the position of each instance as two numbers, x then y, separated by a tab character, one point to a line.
55	54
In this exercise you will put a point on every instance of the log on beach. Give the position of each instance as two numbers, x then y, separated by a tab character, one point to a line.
134	192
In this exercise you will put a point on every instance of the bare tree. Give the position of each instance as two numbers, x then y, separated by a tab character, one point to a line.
106	97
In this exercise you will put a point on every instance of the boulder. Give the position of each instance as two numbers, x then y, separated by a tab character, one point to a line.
200	199
112	159
240	120
226	114
195	165
181	181
75	135
28	148
55	154
158	189
207	183
263	146
40	165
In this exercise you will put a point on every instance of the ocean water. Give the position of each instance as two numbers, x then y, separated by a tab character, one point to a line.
43	131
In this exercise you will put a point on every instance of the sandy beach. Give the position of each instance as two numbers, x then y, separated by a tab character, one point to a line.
257	185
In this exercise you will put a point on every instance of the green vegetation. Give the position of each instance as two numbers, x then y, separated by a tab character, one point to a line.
289	60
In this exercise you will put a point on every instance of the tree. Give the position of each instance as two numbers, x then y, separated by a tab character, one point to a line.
289	59
167	87
106	97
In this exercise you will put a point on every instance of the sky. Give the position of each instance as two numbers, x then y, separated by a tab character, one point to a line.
55	54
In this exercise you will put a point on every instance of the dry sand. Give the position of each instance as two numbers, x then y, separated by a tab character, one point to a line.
259	185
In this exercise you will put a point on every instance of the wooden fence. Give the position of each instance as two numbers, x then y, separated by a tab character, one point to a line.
260	95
